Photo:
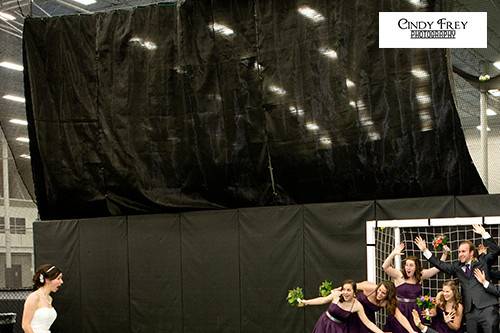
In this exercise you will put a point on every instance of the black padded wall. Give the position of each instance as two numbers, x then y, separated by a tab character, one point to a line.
104	275
224	271
156	288
210	271
271	262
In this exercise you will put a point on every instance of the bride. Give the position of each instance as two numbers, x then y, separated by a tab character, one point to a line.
38	312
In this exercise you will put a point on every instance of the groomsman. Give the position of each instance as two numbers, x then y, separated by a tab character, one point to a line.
480	306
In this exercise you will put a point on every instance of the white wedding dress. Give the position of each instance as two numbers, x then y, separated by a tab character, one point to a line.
42	319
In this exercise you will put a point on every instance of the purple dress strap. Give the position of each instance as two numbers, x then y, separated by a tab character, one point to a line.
333	320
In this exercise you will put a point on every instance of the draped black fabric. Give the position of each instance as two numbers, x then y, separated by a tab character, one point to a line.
225	103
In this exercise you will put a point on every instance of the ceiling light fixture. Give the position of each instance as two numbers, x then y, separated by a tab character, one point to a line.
494	92
18	122
85	2
311	14
7	17
25	156
15	98
490	112
497	64
11	65
479	128
23	139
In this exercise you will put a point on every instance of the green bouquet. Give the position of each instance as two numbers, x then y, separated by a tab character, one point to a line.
325	288
294	295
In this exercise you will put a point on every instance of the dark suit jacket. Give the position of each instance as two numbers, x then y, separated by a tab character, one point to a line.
491	259
473	292
492	289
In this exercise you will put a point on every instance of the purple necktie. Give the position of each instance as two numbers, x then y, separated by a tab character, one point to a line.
467	270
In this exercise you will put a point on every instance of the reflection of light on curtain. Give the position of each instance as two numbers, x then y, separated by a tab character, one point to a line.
420	74
349	83
311	14
312	126
328	52
221	29
277	90
325	140
296	111
143	43
423	98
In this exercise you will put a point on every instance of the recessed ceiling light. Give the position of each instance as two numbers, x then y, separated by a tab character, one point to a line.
490	112
479	128
14	98
7	17
23	139
25	156
494	92
497	64
18	122
349	83
11	65
85	2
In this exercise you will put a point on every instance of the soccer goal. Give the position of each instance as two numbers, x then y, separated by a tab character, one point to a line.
383	236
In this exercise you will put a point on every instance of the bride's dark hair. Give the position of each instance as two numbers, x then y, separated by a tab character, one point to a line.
43	273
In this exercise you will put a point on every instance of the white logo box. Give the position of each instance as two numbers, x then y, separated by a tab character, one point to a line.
433	30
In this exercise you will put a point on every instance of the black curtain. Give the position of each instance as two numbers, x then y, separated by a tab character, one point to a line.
225	104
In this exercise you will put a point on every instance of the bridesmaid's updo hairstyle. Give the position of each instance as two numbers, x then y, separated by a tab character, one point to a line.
44	273
353	285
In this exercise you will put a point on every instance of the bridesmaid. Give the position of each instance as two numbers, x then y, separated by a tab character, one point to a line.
448	313
375	297
408	283
343	305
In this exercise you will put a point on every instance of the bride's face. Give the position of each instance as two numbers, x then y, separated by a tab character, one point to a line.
56	283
